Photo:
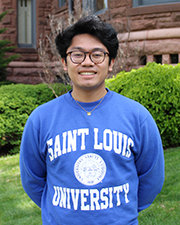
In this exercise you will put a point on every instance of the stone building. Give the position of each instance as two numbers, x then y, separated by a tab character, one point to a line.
148	30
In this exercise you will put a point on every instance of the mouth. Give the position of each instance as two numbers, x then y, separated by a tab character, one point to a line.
87	73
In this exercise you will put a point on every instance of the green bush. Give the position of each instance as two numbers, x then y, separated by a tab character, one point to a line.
6	82
157	87
16	103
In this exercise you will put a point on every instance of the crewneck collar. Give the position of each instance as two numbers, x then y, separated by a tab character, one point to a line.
87	105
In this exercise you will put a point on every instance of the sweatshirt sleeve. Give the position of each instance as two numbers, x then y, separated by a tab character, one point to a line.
32	165
149	163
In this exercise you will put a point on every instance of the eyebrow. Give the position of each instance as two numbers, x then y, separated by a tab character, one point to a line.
94	49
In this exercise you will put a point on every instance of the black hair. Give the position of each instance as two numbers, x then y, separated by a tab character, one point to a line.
94	26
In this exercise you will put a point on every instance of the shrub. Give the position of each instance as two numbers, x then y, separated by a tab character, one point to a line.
6	82
157	87
16	104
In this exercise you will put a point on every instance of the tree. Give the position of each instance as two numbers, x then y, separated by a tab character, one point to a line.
5	47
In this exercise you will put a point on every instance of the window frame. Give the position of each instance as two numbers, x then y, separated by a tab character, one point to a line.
139	3
33	27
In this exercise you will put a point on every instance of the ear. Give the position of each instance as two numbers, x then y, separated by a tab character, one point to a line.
64	64
111	65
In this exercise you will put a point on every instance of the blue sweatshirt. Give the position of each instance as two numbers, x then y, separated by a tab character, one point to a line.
91	170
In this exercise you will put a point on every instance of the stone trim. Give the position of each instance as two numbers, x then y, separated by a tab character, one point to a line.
27	72
150	35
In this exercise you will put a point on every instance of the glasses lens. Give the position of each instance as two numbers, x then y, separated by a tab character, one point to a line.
97	56
77	56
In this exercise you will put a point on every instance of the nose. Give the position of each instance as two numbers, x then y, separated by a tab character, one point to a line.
87	61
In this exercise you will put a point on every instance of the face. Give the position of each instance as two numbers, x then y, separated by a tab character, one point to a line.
87	75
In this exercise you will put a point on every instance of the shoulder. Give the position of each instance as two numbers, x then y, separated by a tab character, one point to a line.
126	103
128	108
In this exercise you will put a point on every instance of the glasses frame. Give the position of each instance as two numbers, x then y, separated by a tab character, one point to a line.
85	54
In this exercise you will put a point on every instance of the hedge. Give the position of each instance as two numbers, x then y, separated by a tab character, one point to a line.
16	104
157	87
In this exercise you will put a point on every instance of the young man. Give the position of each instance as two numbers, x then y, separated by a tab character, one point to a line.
91	156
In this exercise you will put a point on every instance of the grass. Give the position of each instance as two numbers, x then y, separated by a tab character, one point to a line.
165	209
17	208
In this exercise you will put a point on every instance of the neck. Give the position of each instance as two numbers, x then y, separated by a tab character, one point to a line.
88	95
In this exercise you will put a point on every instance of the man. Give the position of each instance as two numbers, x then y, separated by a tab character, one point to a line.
91	156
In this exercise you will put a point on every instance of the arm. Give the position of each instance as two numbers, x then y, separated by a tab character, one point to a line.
32	166
149	164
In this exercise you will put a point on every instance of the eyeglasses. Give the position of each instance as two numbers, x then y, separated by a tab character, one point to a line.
96	57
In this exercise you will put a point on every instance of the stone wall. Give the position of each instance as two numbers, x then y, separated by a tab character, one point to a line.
25	68
152	32
9	21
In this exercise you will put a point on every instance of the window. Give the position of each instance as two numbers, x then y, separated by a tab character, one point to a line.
26	24
137	3
62	2
174	58
143	60
95	6
158	58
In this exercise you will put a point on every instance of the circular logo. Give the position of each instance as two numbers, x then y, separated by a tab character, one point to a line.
90	169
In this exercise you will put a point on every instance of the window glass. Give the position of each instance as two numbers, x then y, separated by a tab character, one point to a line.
95	6
26	23
62	2
99	5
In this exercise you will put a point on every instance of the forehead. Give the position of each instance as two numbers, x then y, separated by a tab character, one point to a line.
86	42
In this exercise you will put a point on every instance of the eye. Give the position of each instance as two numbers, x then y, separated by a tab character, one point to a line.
77	54
97	54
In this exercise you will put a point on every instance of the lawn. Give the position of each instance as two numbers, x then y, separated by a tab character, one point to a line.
166	208
17	208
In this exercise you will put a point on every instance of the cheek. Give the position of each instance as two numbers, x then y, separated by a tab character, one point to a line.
72	71
106	70
70	68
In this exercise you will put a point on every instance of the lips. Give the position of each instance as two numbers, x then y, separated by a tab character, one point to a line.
87	73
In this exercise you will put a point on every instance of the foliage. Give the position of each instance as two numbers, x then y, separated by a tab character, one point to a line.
6	82
17	208
16	104
5	47
157	88
154	86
